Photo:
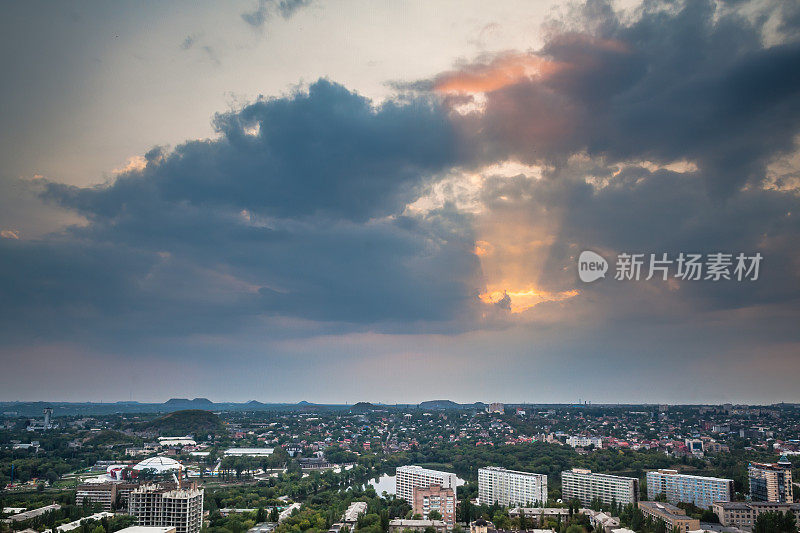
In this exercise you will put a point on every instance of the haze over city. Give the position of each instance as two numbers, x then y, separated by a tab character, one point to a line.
355	201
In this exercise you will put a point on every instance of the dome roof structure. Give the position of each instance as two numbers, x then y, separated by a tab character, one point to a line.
159	464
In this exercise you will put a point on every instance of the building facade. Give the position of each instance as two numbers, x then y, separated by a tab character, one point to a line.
580	441
399	526
109	496
673	517
102	494
435	498
352	513
496	408
771	482
157	506
511	487
699	490
408	477
537	516
585	486
743	515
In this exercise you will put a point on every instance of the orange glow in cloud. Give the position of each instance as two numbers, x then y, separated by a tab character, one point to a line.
482	248
133	164
502	71
524	298
514	240
514	67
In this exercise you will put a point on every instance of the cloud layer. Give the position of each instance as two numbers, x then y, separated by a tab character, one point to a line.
458	206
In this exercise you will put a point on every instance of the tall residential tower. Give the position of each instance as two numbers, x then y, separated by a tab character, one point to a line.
511	487
771	482
585	486
699	490
408	477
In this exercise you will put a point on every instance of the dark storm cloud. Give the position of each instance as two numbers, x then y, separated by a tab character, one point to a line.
637	210
295	210
325	152
694	84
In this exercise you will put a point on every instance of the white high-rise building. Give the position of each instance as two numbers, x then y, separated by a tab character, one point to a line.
408	477
585	486
700	490
511	488
582	441
182	509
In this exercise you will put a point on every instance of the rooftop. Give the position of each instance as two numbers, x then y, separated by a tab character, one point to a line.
665	509
147	529
418	523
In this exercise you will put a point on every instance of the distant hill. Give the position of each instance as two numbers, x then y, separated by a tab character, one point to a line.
185	403
187	422
362	407
440	404
449	404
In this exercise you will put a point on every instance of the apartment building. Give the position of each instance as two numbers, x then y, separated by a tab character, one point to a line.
496	408
352	513
580	441
511	488
401	526
537	516
181	508
106	495
699	490
771	482
408	477
673	517
582	484
102	494
695	447
743	515
435	498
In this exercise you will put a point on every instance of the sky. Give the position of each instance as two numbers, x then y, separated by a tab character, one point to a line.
289	200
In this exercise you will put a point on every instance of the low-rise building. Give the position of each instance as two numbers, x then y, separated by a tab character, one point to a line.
33	513
536	516
482	526
674	517
249	452
599	519
743	514
352	513
147	529
71	526
399	526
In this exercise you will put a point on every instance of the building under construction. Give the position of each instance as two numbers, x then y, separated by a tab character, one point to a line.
161	506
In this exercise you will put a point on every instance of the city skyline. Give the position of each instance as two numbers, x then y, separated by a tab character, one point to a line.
306	201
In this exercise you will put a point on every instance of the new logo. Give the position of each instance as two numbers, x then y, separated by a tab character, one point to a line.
591	266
